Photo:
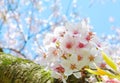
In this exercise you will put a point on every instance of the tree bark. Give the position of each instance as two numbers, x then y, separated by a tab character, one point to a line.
17	70
1	50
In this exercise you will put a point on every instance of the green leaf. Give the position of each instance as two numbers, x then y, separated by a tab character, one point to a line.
92	72
103	72
100	72
109	61
116	76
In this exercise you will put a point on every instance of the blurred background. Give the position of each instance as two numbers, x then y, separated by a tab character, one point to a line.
23	23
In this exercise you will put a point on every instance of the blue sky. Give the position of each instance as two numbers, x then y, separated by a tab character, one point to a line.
98	13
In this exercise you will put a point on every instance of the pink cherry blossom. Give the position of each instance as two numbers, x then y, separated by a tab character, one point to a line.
70	48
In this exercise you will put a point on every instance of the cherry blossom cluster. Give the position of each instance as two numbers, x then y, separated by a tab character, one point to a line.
71	48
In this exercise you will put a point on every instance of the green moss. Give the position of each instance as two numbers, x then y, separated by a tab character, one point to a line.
17	70
1	50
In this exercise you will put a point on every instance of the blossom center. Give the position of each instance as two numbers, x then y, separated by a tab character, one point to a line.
54	40
75	32
44	55
69	45
60	69
89	36
64	56
102	65
79	57
55	52
80	45
72	66
91	58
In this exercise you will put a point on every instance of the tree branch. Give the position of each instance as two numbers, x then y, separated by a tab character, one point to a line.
17	70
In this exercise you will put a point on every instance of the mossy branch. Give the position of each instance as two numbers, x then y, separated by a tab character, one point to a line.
1	50
17	70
